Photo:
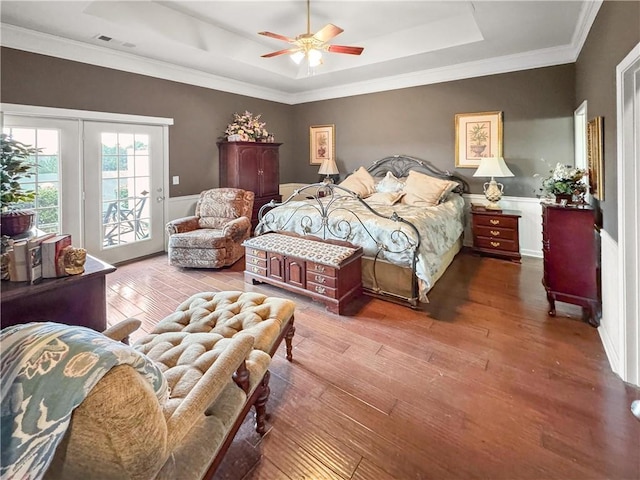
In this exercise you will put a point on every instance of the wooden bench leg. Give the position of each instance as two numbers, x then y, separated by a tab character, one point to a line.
288	338
261	403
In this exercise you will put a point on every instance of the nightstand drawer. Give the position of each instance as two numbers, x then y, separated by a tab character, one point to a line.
495	232
321	279
495	244
322	290
496	221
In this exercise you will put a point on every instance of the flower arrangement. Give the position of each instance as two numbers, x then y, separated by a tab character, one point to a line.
565	180
247	128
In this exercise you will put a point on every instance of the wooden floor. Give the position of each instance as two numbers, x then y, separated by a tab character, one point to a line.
479	384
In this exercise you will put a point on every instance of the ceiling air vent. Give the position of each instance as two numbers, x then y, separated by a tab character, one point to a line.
104	38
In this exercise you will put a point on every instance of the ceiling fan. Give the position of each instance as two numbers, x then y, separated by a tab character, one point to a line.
311	45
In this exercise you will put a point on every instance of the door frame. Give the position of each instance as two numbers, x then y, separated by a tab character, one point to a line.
628	148
86	115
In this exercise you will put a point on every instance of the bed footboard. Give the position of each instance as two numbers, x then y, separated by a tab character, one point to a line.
328	213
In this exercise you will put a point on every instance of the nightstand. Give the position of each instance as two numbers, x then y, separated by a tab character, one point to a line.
495	232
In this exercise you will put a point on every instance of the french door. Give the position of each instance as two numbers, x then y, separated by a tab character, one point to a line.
124	190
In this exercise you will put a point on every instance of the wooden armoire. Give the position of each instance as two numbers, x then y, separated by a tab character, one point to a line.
253	166
571	249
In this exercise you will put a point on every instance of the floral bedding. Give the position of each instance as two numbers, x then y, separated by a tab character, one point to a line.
439	228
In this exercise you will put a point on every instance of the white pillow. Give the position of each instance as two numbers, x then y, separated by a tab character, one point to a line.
360	182
385	198
389	184
424	190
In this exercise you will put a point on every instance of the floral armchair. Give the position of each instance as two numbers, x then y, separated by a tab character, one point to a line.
213	237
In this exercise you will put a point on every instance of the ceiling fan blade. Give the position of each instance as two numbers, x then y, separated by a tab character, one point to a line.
345	49
327	32
277	36
280	52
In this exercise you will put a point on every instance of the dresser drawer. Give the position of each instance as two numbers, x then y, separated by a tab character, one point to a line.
495	232
322	290
256	253
319	268
320	279
495	221
498	245
260	262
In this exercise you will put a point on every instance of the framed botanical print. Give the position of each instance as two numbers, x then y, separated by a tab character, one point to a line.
478	135
321	143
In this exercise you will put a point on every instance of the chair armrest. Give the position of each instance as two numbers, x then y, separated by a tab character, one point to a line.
181	225
237	229
121	330
214	380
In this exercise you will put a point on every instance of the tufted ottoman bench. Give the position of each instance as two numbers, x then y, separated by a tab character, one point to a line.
267	319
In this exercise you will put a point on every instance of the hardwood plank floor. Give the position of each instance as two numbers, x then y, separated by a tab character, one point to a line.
480	383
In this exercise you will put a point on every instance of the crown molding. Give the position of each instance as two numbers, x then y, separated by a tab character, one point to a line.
45	44
53	46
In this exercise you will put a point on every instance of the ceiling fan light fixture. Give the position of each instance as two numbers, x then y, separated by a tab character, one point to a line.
297	57
315	57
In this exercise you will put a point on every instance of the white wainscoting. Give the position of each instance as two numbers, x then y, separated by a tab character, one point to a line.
610	329
179	207
530	228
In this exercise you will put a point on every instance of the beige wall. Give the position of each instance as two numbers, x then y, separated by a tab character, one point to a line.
538	124
614	33
537	105
200	114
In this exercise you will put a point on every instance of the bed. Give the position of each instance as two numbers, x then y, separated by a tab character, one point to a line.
390	209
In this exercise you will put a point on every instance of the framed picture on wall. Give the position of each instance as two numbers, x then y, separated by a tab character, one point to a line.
322	143
478	135
594	158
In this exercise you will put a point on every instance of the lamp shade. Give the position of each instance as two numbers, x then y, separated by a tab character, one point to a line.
493	167
328	167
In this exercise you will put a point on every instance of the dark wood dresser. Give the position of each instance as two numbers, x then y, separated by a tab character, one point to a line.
571	249
74	300
253	166
495	232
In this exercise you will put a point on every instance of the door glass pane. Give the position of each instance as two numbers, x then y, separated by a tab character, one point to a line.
125	188
45	181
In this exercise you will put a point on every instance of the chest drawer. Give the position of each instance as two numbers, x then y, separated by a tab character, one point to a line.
322	289
498	245
256	261
495	221
320	279
256	253
495	232
319	268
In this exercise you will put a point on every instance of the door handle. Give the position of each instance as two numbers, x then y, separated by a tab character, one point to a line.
159	199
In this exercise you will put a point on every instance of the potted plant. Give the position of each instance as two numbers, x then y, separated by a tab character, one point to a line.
565	183
478	135
16	165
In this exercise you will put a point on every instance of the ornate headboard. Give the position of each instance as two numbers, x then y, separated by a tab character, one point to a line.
400	165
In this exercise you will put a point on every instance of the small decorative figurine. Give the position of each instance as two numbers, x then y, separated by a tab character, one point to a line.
74	259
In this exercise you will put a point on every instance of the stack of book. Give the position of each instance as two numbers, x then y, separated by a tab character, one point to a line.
37	258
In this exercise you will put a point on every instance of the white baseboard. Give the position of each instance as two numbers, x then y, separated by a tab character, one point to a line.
610	329
530	228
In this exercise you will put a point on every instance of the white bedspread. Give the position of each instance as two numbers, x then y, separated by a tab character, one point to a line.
439	228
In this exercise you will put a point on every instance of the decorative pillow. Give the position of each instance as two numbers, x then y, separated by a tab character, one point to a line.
389	184
422	189
385	198
360	182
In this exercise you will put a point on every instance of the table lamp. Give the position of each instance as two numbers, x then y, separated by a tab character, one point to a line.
328	168
493	167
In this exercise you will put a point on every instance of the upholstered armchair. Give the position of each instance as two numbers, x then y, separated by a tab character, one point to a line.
213	237
167	409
